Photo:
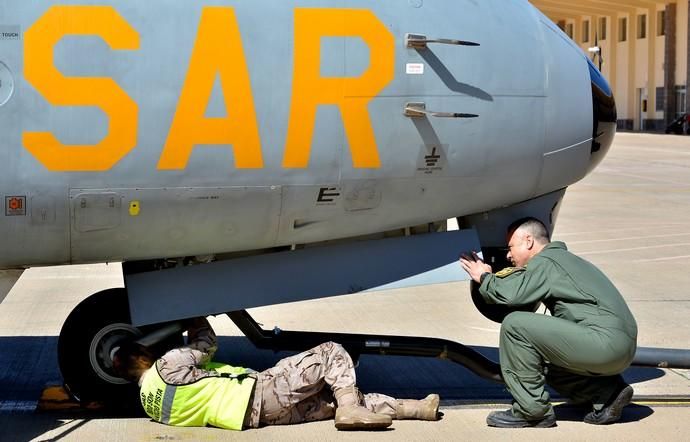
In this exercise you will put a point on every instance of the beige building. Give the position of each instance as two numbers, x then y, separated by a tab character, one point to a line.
643	48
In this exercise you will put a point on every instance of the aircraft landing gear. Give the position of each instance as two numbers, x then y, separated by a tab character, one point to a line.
91	332
89	337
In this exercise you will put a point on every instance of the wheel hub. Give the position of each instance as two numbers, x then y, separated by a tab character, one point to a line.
103	346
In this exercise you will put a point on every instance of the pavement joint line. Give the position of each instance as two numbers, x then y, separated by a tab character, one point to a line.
660	401
633	249
629	238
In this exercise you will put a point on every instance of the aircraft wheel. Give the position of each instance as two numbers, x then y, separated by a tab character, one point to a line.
91	332
90	335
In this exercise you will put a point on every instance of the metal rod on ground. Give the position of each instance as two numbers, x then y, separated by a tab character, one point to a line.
368	344
415	346
661	358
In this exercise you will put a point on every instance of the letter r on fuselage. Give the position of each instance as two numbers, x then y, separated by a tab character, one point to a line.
351	94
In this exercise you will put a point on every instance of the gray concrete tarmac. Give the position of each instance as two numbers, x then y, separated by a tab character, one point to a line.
630	217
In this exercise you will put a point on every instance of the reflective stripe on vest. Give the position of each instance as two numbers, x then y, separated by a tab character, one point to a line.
168	399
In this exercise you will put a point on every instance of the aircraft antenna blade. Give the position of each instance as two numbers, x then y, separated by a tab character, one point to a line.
419	110
419	41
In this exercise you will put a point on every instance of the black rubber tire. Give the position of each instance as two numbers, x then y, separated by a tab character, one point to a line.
92	316
81	326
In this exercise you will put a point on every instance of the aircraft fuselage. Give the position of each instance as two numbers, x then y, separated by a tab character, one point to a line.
135	130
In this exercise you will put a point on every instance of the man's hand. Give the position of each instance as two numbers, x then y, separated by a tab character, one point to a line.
474	266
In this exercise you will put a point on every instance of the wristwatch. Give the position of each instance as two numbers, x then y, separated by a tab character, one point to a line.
484	275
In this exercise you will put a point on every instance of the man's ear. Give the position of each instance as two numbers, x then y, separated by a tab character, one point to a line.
529	239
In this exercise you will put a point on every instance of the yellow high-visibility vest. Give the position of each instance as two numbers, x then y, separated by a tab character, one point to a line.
220	401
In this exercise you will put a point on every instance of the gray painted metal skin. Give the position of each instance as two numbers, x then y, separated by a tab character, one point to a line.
527	82
311	273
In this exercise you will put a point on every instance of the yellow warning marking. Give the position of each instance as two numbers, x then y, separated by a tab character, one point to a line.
134	207
659	403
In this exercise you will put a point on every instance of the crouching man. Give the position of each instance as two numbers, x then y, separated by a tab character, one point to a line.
184	388
580	350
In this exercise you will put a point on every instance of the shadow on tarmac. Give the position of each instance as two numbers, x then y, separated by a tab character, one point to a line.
631	413
23	427
29	363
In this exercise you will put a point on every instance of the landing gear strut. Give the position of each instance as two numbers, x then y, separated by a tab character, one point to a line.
368	344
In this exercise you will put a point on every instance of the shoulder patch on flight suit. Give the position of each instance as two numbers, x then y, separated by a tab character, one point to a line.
508	271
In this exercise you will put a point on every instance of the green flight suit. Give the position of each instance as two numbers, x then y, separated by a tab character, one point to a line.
580	350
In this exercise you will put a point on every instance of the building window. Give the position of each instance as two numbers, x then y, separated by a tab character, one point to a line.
569	30
660	23
623	29
642	26
602	28
660	99
585	31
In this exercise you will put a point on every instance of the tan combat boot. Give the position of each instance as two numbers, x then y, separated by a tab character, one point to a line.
351	415
425	410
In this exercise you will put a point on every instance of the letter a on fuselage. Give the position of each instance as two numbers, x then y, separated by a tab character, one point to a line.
217	52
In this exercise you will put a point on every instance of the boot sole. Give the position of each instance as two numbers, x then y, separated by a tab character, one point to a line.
545	424
526	424
494	420
615	410
353	426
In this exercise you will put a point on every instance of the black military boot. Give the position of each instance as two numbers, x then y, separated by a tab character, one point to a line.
613	409
506	419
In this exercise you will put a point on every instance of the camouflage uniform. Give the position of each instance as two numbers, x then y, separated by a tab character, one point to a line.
300	388
182	365
297	389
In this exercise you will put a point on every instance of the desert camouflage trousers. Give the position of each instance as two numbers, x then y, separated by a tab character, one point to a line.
300	388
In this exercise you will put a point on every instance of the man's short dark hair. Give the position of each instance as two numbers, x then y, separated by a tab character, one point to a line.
131	360
533	226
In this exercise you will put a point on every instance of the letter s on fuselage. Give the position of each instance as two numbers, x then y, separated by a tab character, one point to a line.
218	52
